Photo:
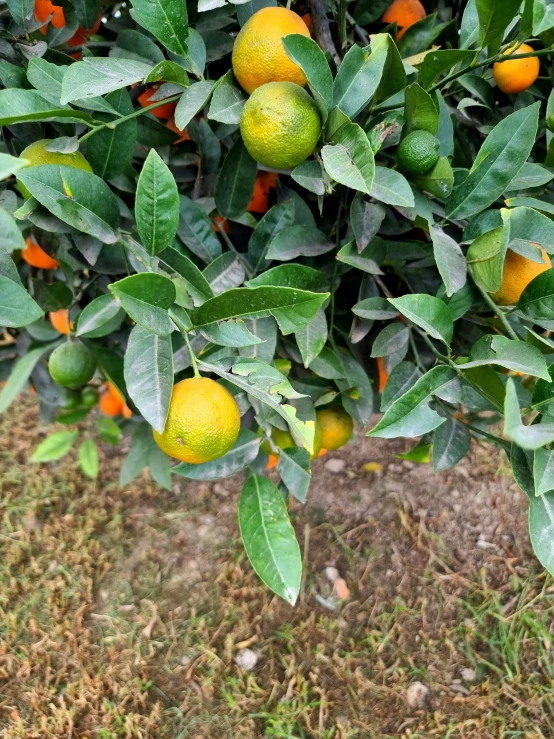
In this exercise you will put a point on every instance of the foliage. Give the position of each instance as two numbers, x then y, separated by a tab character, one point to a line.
161	256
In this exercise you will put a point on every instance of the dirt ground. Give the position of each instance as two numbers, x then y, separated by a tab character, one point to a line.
126	613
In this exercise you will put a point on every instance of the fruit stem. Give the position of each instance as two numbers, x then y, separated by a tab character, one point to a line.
134	114
497	311
192	356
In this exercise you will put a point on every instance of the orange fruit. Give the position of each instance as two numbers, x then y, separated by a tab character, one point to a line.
172	127
383	377
224	224
111	402
272	462
60	320
517	273
307	18
203	421
265	181
163	111
404	13
258	53
516	75
45	8
336	427
37	257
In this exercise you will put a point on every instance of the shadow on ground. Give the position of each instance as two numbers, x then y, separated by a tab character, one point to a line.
123	613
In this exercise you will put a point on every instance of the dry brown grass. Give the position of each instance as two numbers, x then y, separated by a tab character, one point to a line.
121	614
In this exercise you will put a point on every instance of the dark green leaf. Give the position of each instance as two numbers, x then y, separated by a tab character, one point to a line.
21	106
518	356
146	297
390	340
192	101
167	20
110	151
137	459
527	437
76	197
277	219
350	159
309	175
421	113
543	470
439	181
224	273
157	204
21	10
196	231
494	17
305	52
227	101
368	260
537	300
366	219
374	309
312	338
17	307
450	260
298	241
269	538
100	317
291	275
294	468
437	62
392	188
541	528
451	443
401	378
88	458
20	373
96	76
235	184
429	313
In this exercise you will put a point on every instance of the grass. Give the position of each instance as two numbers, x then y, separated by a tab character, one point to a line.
122	612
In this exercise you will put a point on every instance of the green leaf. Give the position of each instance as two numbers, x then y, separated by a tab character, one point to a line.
368	260
305	52
108	430
277	219
294	468
392	188
17	307
312	338
402	377
146	297
450	260
110	151
293	309
350	160
420	111
55	446
243	453
410	414
227	101
196	232
439	181
149	375
327	364
10	165
420	35
390	340
541	529
537	300
374	309
224	273
494	17
76	197
196	283
291	275
20	373
167	20
52	296
160	467
530	175
543	471
100	317
499	160
269	386
437	62
96	76
235	184
527	437
23	106
168	72
269	539
451	442
429	313
366	219
309	174
21	10
296	241
192	101
485	257
518	356
157	204
88	458
138	456
355	379
230	333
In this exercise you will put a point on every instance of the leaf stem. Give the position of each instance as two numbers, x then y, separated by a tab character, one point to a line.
134	114
192	355
497	311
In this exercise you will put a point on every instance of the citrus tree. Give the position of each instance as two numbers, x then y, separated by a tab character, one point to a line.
245	228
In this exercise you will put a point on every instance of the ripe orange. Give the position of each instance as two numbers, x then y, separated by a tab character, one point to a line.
336	427
224	224
307	18
265	181
259	55
203	421
163	111
45	8
404	13
37	257
272	462
172	127
112	404
60	320
517	274
383	377
516	75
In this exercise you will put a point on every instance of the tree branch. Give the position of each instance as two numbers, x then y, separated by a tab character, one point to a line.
322	29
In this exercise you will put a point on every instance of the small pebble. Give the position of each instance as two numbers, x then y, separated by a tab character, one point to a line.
417	695
246	659
335	465
468	674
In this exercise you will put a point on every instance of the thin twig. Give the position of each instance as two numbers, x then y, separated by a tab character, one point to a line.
497	311
322	29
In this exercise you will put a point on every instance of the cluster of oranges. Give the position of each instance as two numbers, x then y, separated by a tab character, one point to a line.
46	11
